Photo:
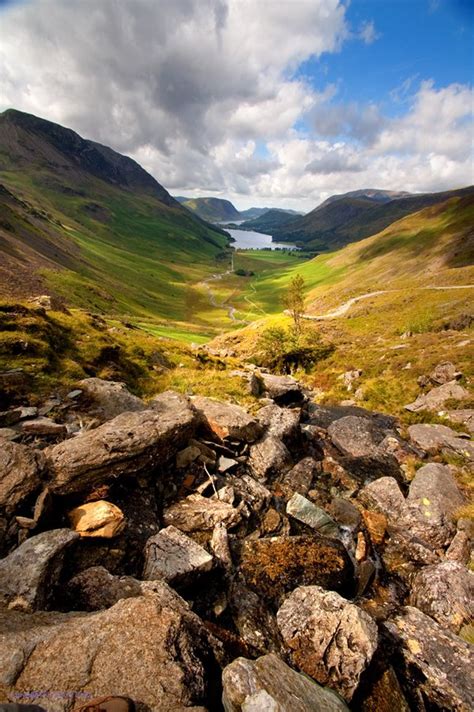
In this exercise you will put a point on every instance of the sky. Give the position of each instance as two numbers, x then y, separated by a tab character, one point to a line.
264	102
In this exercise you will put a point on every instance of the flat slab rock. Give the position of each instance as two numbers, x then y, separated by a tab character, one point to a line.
151	648
329	638
437	397
435	665
276	565
173	557
29	574
126	445
227	420
198	513
437	438
268	684
282	423
356	436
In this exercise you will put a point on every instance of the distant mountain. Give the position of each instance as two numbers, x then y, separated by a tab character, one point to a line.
251	213
88	225
349	219
272	219
212	209
379	196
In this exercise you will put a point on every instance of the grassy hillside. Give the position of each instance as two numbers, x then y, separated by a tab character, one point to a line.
268	222
92	228
349	219
393	337
212	209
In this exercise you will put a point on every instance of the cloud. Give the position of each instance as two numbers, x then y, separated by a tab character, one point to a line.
206	95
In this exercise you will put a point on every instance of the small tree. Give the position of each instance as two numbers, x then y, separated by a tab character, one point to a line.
294	303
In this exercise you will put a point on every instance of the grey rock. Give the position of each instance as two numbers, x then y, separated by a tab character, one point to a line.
432	499
384	495
21	469
269	685
437	397
282	389
29	575
173	557
356	436
129	444
434	664
227	420
300	478
444	373
345	513
254	494
269	457
186	457
95	589
405	553
464	417
433	439
460	548
197	513
323	416
220	546
255	623
445	592
328	638
109	651
282	423
226	463
308	513
108	398
9	434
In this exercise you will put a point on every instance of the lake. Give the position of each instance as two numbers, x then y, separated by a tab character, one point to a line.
250	240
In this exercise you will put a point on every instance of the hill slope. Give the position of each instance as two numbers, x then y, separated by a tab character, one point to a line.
90	226
270	221
348	219
212	209
375	194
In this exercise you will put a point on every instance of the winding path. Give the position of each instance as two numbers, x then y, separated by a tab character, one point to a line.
231	310
343	308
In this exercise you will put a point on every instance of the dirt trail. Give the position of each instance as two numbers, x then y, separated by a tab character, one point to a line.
343	308
231	310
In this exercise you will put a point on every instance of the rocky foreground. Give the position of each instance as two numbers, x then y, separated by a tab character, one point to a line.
190	555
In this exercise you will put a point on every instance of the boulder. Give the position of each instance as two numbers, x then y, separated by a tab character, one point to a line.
308	513
129	444
151	648
198	513
21	469
405	553
445	592
329	638
269	684
463	417
97	519
444	373
433	439
385	496
30	574
300	478
109	398
254	494
460	548
376	524
432	499
173	557
282	423
282	389
227	420
95	588
356	436
186	457
254	622
437	397
275	565
434	664
269	458
324	415
345	513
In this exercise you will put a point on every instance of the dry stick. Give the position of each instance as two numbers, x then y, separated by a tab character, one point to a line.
211	479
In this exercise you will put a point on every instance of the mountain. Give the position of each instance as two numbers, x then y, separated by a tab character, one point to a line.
272	219
212	209
379	196
252	213
348	219
90	226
